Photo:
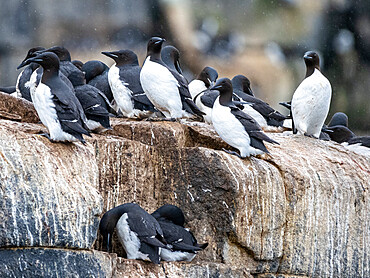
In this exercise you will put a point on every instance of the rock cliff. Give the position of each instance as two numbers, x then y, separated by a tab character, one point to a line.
303	211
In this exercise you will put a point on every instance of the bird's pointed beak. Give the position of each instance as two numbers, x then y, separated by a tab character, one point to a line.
215	87
326	129
29	61
212	83
112	55
24	63
307	57
160	41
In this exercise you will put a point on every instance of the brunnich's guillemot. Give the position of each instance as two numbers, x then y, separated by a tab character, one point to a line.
56	104
199	90
311	100
139	232
124	81
95	104
234	126
166	89
96	74
180	240
261	111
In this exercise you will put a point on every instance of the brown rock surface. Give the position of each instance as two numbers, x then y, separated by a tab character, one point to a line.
301	212
17	109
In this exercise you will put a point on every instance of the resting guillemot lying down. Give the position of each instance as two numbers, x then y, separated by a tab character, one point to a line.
95	104
234	126
124	81
166	89
311	100
138	231
182	243
56	104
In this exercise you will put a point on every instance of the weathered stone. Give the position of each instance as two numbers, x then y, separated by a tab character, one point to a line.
17	109
139	269
48	191
302	211
47	262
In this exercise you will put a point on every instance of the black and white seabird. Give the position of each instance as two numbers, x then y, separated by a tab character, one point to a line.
22	84
234	126
171	57
261	111
96	74
311	100
95	104
124	81
180	240
138	231
199	87
57	106
166	89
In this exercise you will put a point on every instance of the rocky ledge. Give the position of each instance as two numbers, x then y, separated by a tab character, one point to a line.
302	211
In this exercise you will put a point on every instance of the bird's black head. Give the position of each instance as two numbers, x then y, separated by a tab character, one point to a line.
31	53
312	61
171	57
339	118
123	57
62	52
93	68
225	87
154	46
48	60
242	83
171	213
209	76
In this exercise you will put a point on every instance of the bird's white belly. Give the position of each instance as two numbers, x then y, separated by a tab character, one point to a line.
122	94
172	256
129	239
230	129
195	87
311	103
162	89
255	115
43	102
205	109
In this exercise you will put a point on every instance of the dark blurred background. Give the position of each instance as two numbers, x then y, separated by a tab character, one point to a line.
262	39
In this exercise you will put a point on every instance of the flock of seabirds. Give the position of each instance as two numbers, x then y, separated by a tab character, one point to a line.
73	99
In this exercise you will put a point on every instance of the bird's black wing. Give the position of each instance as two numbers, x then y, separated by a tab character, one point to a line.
363	140
209	97
69	110
101	82
187	102
253	129
178	237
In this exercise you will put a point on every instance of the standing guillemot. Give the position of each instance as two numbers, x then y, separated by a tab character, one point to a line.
57	106
165	88
234	126
138	231
311	100
95	104
199	90
261	111
182	242
171	57
124	81
96	74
